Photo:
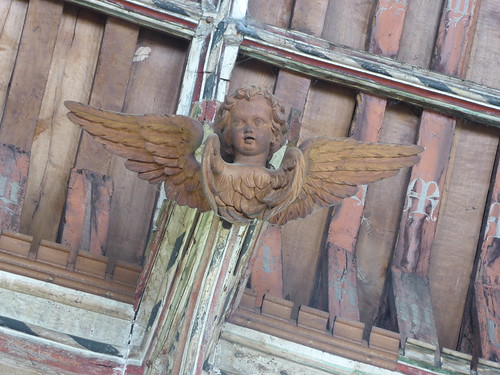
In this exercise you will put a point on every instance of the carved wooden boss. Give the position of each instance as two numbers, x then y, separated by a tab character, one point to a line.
234	178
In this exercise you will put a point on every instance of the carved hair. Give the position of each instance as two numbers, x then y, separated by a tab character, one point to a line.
222	119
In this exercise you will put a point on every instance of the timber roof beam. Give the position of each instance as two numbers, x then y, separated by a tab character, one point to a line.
311	55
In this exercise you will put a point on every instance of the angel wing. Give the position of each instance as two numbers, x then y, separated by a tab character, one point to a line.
336	166
158	147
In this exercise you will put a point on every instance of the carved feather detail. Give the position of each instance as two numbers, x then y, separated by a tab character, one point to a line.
319	173
336	166
159	148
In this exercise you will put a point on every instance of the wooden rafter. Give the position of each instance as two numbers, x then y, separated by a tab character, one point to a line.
417	231
317	57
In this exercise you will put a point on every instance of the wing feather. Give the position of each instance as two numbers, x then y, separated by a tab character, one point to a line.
157	147
336	166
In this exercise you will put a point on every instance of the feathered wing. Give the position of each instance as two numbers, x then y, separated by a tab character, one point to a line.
336	166
158	147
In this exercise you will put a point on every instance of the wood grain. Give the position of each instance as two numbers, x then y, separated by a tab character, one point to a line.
14	165
351	26
153	88
29	80
466	189
386	30
56	140
12	16
381	215
110	85
419	32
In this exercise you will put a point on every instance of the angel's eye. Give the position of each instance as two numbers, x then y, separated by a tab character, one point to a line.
238	123
259	122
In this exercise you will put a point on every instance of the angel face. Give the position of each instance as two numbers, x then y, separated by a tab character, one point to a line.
251	130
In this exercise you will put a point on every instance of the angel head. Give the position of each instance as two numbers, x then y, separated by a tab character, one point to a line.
251	126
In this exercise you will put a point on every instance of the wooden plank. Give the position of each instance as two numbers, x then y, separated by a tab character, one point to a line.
127	273
69	279
277	308
243	351
488	303
485	49
398	81
487	280
23	351
344	225
466	189
111	79
312	318
351	22
29	82
12	16
13	178
15	243
302	239
315	57
56	140
465	197
348	329
256	73
134	199
427	181
53	254
267	273
108	91
414	306
86	214
292	90
419	32
277	13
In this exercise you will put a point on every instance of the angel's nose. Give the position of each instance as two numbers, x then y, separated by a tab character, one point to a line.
248	128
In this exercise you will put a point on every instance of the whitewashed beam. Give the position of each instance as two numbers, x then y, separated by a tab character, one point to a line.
370	73
175	17
319	58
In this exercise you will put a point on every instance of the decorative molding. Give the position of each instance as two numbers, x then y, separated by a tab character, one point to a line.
48	261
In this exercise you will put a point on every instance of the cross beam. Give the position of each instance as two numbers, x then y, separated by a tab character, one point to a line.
319	58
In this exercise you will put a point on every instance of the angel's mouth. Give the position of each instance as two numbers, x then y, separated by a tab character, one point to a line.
248	139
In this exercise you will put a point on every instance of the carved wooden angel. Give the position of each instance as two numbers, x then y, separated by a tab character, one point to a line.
234	178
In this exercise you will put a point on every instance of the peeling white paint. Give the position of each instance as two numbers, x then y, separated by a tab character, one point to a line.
141	54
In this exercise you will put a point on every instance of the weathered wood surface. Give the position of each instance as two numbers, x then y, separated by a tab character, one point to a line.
427	181
12	14
28	84
343	339
246	351
48	261
114	65
466	190
152	83
302	240
86	215
292	90
431	90
487	280
386	30
134	199
55	142
13	178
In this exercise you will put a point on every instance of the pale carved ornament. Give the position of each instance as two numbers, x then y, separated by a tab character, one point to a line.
234	177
